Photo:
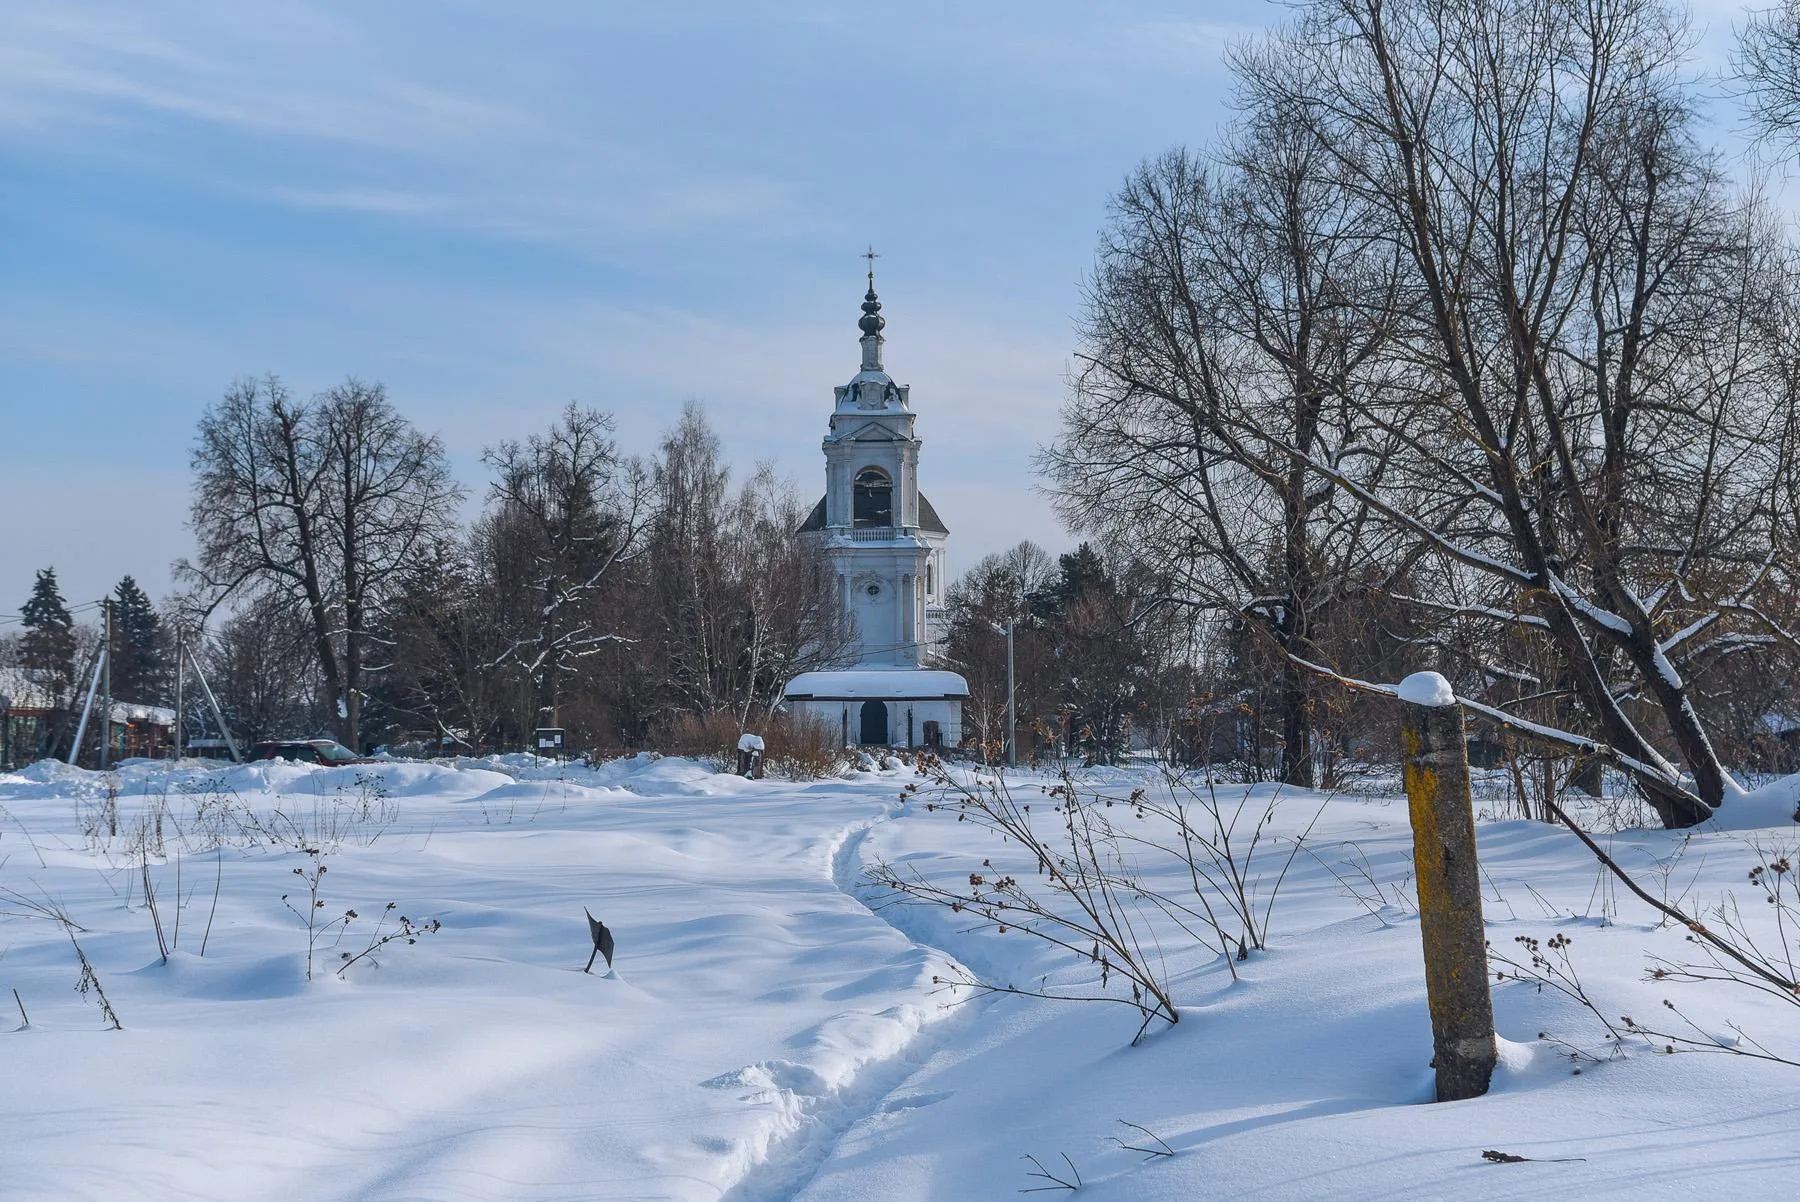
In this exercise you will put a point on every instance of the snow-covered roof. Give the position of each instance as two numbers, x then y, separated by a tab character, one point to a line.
23	692
156	715
894	684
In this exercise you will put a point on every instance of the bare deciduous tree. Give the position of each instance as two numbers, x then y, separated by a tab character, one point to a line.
1767	66
321	503
1596	416
735	604
1228	324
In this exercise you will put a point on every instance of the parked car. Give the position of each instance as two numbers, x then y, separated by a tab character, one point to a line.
307	751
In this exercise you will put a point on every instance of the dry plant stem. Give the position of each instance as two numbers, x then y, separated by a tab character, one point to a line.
32	843
34	908
1101	930
1215	864
1161	1149
162	945
1070	1183
90	981
180	905
218	879
1373	908
315	930
1759	969
1551	965
1700	1041
965	981
23	1017
406	930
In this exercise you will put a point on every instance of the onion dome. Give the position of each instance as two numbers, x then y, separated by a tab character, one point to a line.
871	321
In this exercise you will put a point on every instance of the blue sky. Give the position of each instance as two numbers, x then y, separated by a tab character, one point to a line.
495	208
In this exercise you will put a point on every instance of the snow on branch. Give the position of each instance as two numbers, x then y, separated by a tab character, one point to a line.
1579	744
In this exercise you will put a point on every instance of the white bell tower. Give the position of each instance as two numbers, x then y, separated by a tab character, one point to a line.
884	541
884	545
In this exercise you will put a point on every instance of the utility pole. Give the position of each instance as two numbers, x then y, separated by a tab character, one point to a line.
180	680
106	667
1012	701
1012	695
218	717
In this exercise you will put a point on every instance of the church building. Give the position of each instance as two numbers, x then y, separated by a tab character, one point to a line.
885	545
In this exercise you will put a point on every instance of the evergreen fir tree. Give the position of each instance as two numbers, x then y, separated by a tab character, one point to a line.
140	669
1100	653
48	645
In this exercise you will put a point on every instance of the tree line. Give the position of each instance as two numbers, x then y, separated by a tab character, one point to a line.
1463	349
336	586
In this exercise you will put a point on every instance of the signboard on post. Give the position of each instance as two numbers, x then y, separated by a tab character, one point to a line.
548	740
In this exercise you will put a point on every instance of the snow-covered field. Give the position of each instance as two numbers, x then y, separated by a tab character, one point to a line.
766	1034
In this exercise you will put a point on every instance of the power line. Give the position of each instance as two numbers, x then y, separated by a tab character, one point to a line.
83	607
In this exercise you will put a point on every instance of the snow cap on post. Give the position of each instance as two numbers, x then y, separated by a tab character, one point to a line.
1426	688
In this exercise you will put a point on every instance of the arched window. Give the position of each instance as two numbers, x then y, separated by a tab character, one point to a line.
874	501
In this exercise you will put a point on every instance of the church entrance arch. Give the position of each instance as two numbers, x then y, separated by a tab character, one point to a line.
874	723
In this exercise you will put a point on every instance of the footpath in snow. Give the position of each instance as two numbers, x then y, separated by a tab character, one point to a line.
478	1062
772	1029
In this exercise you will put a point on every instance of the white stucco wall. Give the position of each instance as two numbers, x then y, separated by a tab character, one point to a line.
844	719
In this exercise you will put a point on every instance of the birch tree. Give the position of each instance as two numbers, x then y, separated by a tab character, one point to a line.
734	603
573	510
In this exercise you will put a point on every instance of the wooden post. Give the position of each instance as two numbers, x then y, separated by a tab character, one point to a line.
1449	884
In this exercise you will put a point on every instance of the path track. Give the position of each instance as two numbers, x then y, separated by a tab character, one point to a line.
828	1116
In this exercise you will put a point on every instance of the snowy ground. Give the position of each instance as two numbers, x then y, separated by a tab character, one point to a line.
766	1034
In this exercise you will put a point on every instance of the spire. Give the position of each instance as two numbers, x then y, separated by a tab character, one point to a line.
872	322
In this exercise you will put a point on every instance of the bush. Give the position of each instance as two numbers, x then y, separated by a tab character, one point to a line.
793	749
800	750
711	738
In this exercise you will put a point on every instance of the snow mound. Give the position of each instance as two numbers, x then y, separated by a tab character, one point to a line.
1426	688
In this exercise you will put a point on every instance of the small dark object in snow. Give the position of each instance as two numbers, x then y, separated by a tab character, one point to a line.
603	941
1493	1157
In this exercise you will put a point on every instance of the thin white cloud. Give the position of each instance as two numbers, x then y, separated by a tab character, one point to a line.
497	207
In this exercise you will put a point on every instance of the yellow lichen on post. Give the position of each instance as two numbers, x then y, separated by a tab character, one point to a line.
1448	879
